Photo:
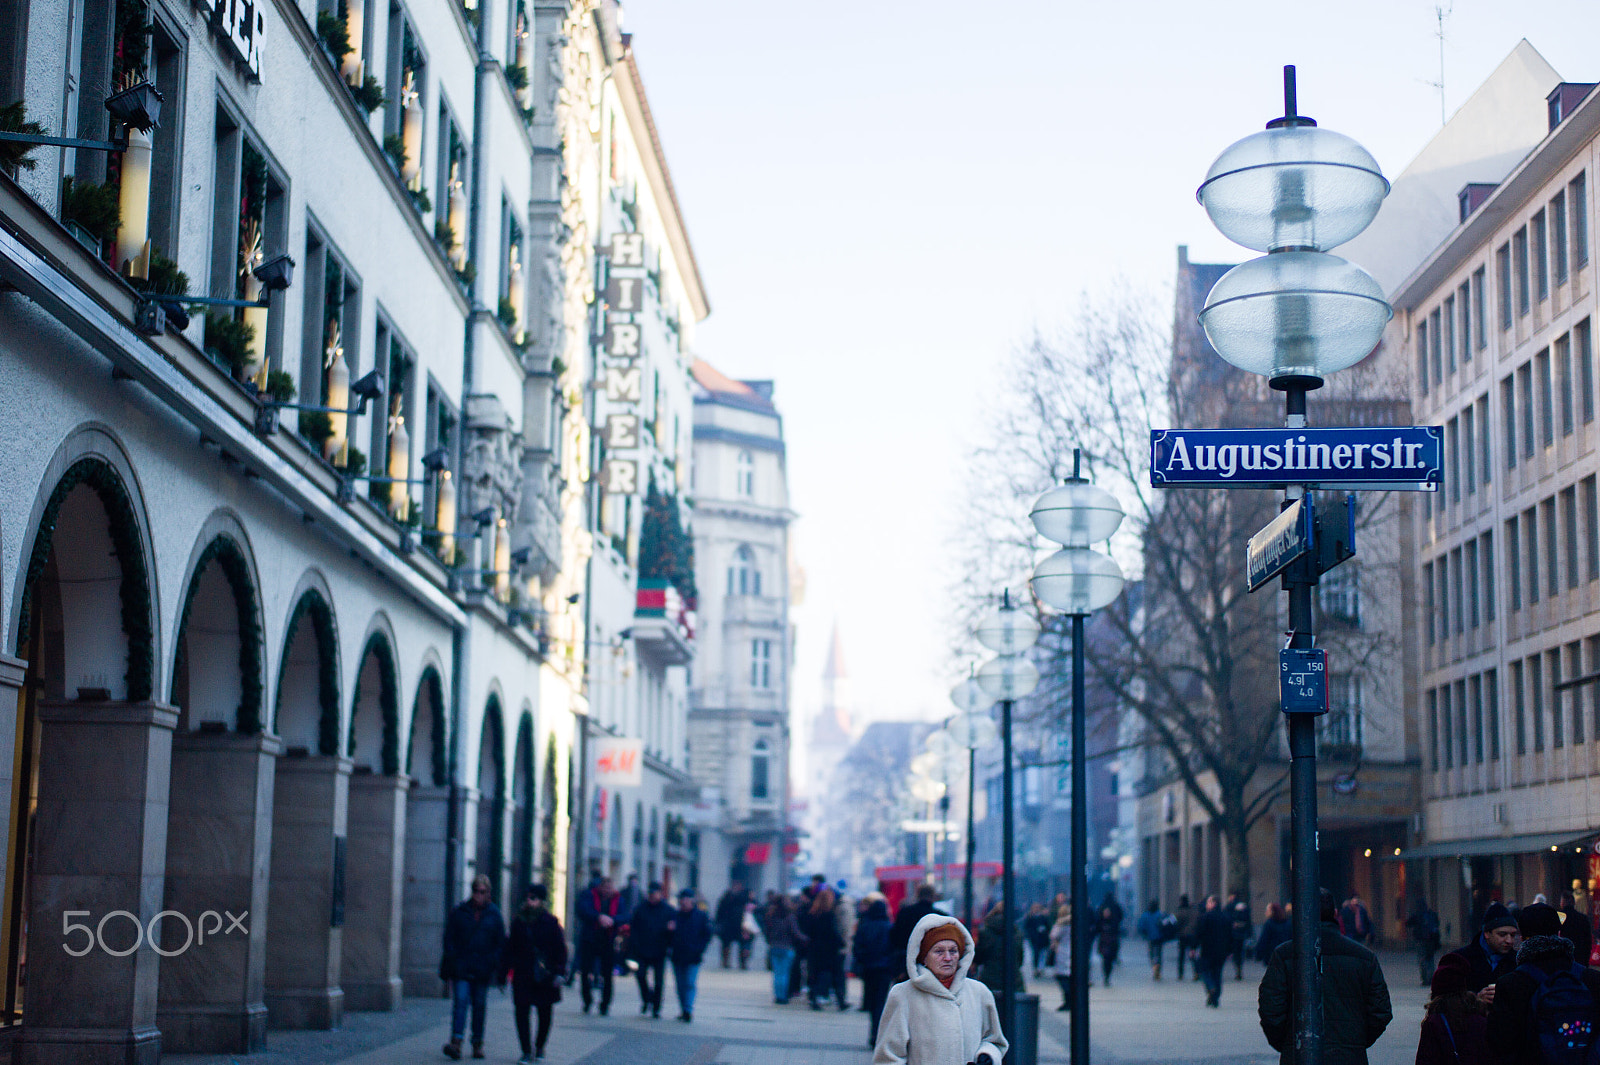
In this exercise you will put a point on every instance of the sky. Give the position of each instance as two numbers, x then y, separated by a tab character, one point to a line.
887	198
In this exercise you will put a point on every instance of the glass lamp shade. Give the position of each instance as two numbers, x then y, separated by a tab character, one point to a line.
1076	580
970	697
925	790
1008	631
1008	678
1293	187
1076	514
973	731
944	745
1297	313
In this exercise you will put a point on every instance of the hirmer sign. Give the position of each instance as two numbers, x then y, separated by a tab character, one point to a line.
1401	458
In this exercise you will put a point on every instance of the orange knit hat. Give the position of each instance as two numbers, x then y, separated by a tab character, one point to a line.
951	931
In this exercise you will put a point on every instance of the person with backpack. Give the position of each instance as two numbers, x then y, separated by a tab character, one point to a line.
1422	927
873	963
1547	1010
1152	928
1355	999
1455	1030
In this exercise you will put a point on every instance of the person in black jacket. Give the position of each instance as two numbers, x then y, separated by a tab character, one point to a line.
1355	999
691	935
1214	936
649	934
873	962
730	923
474	940
1575	926
599	918
906	919
1493	953
1513	1034
536	957
1036	930
824	948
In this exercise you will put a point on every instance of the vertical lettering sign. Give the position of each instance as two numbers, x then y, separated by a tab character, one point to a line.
622	348
240	25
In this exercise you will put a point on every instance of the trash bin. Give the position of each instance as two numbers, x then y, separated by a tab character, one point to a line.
1025	1037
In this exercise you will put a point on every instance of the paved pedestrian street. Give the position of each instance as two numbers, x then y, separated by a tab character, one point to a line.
736	1023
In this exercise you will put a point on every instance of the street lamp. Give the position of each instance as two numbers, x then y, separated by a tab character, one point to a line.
1007	678
1077	581
1294	316
972	729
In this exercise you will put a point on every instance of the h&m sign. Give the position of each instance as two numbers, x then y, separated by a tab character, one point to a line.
240	26
622	348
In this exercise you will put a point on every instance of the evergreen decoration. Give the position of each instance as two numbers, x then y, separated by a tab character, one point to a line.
437	772
14	156
226	553
228	339
316	426
165	277
97	474
280	386
369	94
421	199
552	814
355	462
666	550
95	207
394	146
507	313
388	704
334	33
313	606
517	76
133	31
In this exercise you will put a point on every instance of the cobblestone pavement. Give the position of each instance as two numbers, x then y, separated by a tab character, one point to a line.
1135	1021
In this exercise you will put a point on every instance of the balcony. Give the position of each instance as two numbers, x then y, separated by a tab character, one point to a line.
758	611
663	624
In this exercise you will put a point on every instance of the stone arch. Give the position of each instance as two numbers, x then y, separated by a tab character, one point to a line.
374	734
522	806
308	674
491	778
427	747
221	568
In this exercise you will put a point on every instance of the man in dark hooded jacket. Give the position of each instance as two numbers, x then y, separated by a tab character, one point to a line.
1493	953
1513	1029
1355	999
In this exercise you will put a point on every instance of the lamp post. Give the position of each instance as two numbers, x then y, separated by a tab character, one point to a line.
1006	678
971	729
1295	315
1077	581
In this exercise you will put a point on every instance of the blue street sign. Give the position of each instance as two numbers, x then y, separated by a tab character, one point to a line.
1282	541
1401	458
1303	680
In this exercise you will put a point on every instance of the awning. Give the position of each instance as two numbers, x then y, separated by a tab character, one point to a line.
1480	848
757	853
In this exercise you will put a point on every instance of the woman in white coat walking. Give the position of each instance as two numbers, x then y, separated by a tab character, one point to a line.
938	1016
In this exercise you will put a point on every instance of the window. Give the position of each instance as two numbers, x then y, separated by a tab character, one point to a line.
745	473
1564	372
1449	321
1547	422
1591	521
1486	552
1558	730
1452	436
1422	354
1491	683
249	224
1525	397
513	277
1339	595
1436	345
1486	465
1448	739
450	184
1593	692
330	337
1463	734
1471	566
1569	518
1530	538
1475	687
1585	370
1541	257
1519	257
1502	262
1433	729
1536	704
1442	571
1469	476
1578	192
761	664
1552	564
1457	591
1575	697
439	431
1480	334
391	434
1519	707
1342	725
1514	563
405	116
1558	233
1427	603
761	770
1508	403
744	577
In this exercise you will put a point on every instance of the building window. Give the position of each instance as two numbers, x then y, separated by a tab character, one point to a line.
1591	521
1452	436
1475	686
249	225
1508	403
1519	258
1469	446
1341	726
1448	317
1585	370
1530	538
1464	336
1569	518
1519	707
1463	734
405	116
1525	397
1547	421
1578	192
1593	645
1563	369
745	472
1422	354
1491	683
1427	604
1470	565
744	577
1480	333
1574	698
1433	730
761	664
1536	704
1442	571
760	770
1447	738
1541	257
1486	552
1514	563
392	434
329	338
1502	262
1339	595
1458	590
1436	345
1558	231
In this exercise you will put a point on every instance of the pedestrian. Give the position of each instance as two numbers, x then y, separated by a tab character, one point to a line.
872	962
939	1016
824	948
784	938
1061	951
632	894
649	935
1355	999
1108	939
988	960
691	935
1214	942
1493	953
1356	920
536	957
1547	1010
1456	1028
474	942
1576	927
1275	928
599	910
1188	919
1152	927
730	923
1422	929
906	919
1036	932
1238	912
844	919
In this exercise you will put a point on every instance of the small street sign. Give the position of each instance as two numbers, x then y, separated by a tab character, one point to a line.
1284	540
1400	458
1303	680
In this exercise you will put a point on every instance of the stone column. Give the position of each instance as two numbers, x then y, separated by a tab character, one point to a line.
425	895
371	977
305	899
219	843
100	847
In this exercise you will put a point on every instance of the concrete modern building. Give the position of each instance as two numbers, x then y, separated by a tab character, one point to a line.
739	689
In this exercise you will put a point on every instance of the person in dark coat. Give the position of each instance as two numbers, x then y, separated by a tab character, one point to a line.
1493	953
1188	919
691	935
536	958
1276	929
1108	938
599	918
1513	1035
873	962
824	948
906	918
784	939
988	959
474	941
1422	928
1214	939
730	923
1355	999
1036	930
648	939
1575	926
1238	912
1455	1030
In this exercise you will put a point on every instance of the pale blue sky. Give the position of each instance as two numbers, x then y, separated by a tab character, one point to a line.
886	197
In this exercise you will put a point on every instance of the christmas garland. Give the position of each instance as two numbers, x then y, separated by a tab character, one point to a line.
316	607
547	845
95	473
388	704
227	554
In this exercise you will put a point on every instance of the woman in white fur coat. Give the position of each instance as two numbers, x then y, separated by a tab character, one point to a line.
938	1016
